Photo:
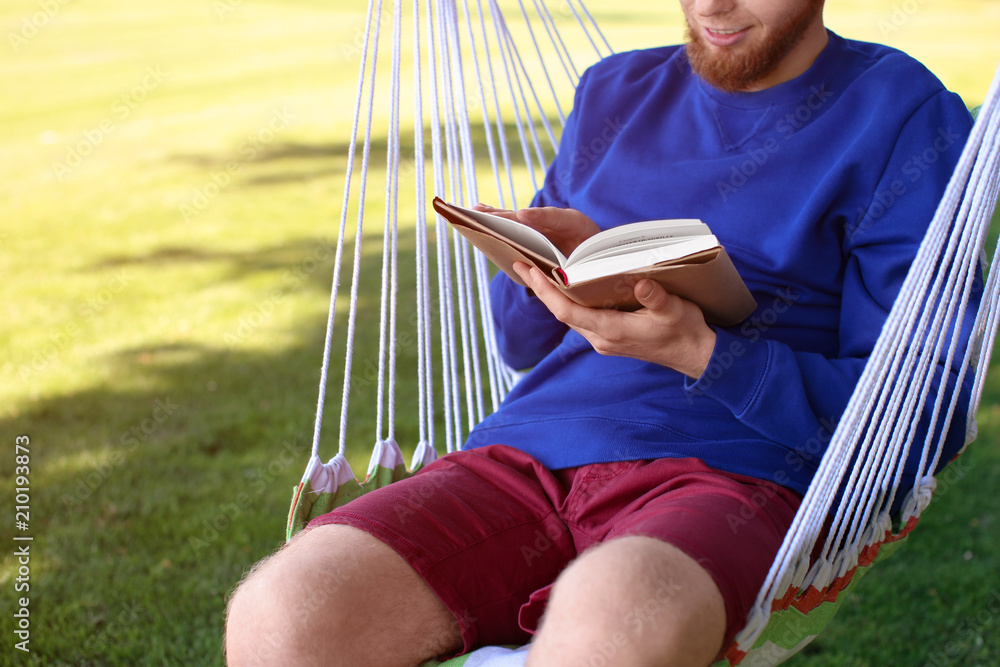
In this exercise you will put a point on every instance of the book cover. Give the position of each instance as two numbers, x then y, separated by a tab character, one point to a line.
705	276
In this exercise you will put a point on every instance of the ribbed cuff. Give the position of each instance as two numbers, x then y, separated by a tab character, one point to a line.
735	373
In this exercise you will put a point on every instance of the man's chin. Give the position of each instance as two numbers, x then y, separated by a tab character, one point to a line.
729	71
750	60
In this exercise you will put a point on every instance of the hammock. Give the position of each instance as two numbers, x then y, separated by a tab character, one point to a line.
473	69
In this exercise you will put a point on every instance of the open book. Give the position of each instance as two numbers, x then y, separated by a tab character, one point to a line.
682	255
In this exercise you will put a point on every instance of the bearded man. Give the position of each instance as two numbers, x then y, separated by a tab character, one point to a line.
624	504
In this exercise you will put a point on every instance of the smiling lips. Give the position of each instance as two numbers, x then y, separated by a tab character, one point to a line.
724	37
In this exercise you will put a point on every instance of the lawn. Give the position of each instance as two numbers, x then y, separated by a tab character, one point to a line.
170	185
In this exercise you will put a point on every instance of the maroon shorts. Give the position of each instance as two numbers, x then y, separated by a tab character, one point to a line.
490	529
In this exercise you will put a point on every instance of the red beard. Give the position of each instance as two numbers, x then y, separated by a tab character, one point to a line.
733	72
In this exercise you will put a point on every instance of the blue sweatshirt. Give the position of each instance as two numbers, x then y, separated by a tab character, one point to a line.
820	189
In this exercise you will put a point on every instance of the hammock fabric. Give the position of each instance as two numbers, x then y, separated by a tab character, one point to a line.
808	581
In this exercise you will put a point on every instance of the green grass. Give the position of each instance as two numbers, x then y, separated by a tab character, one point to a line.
165	364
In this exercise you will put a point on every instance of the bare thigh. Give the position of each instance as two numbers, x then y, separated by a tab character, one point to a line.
335	595
632	602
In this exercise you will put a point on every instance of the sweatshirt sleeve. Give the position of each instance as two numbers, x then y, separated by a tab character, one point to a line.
526	330
757	378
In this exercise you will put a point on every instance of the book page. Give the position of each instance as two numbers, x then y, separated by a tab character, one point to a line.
646	256
653	232
633	247
517	232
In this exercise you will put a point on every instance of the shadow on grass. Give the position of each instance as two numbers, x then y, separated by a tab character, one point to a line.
326	160
240	263
148	505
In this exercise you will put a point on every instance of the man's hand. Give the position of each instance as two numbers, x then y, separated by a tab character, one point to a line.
565	227
668	330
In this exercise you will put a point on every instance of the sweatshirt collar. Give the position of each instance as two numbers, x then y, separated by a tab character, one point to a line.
791	91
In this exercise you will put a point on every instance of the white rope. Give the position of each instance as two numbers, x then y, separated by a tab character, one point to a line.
891	395
918	333
470	354
541	58
503	40
326	477
586	30
462	311
557	42
324	370
425	386
906	403
449	373
593	23
387	319
456	145
355	280
495	366
986	328
470	351
487	122
501	132
519	70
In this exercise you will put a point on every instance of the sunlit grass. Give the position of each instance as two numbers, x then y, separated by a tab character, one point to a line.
163	324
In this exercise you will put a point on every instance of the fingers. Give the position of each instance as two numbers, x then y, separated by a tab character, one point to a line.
500	212
652	295
668	330
552	219
566	228
562	307
542	219
521	269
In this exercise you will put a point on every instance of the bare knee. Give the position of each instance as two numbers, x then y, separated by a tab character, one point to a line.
632	601
270	616
335	595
